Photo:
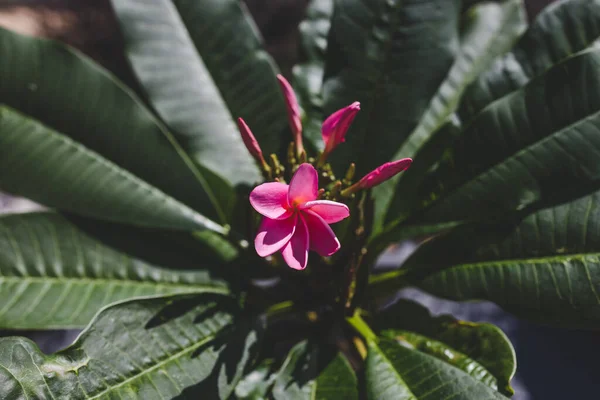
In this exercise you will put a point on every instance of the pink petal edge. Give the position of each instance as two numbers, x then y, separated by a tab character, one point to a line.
330	211
295	252
271	200
322	238
273	235
304	185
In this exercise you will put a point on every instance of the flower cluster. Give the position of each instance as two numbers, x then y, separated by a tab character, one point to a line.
296	217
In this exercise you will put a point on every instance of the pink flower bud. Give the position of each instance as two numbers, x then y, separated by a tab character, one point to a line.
250	141
293	111
336	125
383	173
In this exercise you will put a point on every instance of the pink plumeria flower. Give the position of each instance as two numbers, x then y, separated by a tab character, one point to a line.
294	220
379	175
335	127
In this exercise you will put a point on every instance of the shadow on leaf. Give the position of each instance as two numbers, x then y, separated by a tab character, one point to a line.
177	308
236	349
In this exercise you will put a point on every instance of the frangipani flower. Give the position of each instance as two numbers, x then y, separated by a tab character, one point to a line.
294	220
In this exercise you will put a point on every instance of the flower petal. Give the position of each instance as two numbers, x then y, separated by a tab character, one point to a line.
322	238
271	200
295	252
336	125
273	234
304	185
330	211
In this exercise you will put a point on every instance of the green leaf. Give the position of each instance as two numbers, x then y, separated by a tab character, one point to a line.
524	148
314	371
69	93
48	167
559	31
256	384
489	30
152	348
394	371
378	53
480	349
202	65
545	268
54	276
308	75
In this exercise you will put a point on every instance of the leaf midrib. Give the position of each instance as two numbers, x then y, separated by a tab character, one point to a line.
123	282
155	366
513	155
528	260
386	359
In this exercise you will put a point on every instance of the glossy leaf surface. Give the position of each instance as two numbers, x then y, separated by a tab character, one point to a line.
152	348
54	276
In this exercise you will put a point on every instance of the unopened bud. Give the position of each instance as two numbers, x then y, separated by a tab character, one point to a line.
379	175
293	112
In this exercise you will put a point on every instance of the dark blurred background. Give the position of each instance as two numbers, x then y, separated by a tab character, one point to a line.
553	363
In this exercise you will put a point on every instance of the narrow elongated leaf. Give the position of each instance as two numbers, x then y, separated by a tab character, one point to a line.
378	53
559	31
202	65
152	349
308	75
50	168
394	371
480	349
53	276
96	110
489	30
525	147
546	268
315	372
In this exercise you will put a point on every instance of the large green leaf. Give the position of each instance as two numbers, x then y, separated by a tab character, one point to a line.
396	371
489	30
202	65
315	372
559	31
69	93
46	166
524	148
308	75
379	51
546	268
54	276
151	349
480	349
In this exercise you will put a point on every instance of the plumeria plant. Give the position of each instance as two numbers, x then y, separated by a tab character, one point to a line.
215	230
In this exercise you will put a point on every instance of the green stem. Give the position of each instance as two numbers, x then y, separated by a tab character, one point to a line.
279	308
388	283
361	326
